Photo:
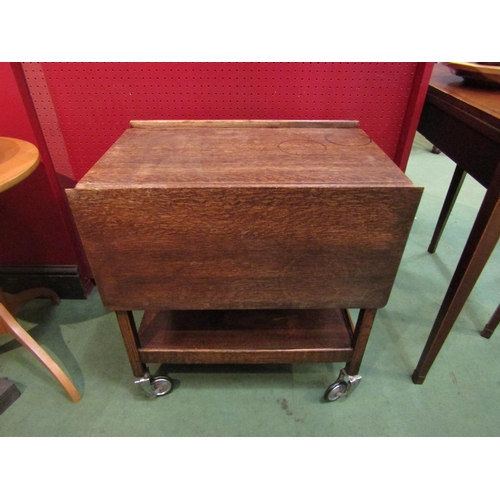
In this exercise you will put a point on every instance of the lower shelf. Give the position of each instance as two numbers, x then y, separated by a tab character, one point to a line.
246	336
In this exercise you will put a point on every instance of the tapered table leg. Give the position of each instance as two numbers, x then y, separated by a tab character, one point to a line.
493	322
455	186
480	244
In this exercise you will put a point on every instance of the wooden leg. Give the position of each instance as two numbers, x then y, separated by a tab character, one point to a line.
455	185
130	337
9	324
14	302
481	242
492	324
361	333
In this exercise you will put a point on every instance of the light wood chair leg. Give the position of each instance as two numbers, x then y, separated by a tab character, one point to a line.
16	301
9	324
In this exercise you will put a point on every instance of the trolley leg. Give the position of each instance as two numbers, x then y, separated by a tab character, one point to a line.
128	330
151	386
360	339
348	378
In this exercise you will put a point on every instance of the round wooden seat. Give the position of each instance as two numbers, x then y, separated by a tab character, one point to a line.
17	160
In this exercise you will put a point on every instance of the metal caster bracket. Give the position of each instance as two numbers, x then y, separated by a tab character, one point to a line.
154	387
342	388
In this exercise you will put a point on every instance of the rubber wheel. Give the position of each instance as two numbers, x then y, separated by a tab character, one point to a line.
336	390
161	386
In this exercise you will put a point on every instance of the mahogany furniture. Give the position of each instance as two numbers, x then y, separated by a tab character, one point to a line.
17	160
244	241
463	121
492	323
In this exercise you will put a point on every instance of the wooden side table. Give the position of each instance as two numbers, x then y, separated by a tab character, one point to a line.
463	121
17	160
245	241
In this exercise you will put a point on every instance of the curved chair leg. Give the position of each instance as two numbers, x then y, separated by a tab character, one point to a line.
16	301
9	324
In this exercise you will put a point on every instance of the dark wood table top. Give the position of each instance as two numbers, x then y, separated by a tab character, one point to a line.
479	102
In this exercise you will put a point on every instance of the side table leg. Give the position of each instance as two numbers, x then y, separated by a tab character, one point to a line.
128	330
451	196
493	322
480	244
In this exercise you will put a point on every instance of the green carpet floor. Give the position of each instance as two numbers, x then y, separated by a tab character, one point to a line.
460	397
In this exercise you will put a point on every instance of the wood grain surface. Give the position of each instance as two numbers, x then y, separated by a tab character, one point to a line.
260	156
245	123
245	248
17	160
480	102
244	218
255	336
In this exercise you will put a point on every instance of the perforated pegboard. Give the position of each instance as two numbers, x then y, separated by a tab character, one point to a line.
94	102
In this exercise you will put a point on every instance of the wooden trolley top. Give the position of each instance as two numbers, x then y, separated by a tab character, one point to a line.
243	153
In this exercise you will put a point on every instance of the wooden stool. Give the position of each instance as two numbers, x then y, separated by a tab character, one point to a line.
17	160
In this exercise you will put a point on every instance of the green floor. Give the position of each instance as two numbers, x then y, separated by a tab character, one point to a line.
460	397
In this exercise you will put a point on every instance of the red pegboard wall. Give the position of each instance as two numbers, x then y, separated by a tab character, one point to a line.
94	102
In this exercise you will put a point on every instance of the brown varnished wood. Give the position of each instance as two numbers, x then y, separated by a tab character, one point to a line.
245	218
362	332
244	248
480	244
471	103
244	157
254	336
241	240
245	123
475	152
455	186
492	323
128	330
463	121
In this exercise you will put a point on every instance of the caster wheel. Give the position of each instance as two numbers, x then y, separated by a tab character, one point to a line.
161	386
336	391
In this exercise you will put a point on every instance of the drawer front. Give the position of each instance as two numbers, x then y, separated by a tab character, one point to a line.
244	248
